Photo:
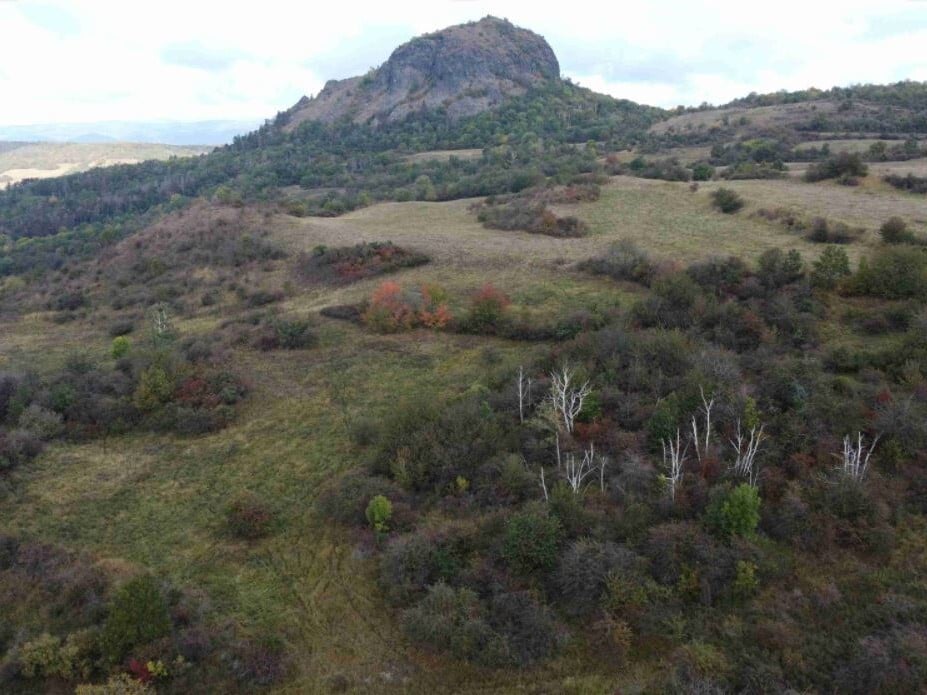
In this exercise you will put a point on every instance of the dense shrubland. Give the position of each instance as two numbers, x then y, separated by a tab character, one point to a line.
155	382
693	477
68	620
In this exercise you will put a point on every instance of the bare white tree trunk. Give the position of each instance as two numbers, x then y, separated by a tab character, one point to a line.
521	394
577	470
674	458
544	486
854	460
701	447
567	397
746	449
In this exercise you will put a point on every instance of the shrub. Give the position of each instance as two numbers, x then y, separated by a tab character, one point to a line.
412	562
843	164
528	629
777	269
585	568
379	511
120	684
487	308
736	512
351	263
531	543
345	500
910	183
624	260
830	268
294	335
702	172
451	620
248	517
895	231
45	424
726	200
892	273
50	657
120	347
137	615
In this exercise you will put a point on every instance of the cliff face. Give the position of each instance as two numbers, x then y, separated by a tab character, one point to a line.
465	69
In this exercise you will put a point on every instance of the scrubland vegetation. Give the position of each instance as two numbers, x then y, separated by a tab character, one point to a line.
322	413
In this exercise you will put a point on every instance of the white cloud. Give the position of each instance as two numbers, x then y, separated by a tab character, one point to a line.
110	60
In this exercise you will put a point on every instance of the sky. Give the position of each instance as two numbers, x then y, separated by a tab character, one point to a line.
99	60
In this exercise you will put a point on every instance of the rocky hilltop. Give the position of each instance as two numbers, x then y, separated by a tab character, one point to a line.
465	69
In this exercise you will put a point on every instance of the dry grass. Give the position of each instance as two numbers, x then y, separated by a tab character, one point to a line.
49	159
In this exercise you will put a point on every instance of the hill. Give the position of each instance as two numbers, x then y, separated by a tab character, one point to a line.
465	70
540	399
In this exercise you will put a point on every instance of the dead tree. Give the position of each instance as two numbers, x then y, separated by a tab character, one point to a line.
567	397
577	470
854	460
674	458
746	449
701	449
524	393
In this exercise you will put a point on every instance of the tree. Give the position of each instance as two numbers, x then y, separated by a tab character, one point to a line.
120	347
854	459
735	513
895	231
832	266
379	511
137	615
567	397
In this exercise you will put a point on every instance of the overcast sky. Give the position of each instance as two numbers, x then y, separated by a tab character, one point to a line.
91	60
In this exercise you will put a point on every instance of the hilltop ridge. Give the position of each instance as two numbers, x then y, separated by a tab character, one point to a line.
466	69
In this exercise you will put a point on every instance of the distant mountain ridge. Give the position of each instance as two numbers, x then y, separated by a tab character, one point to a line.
217	132
465	69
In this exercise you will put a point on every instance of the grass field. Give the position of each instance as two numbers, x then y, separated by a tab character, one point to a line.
158	501
48	159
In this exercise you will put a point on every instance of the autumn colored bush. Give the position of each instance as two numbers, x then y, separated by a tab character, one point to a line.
487	308
392	309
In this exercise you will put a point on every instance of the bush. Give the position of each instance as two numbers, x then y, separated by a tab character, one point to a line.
379	511
736	512
830	268
412	562
892	273
702	172
451	620
843	164
623	261
513	630
120	684
487	308
294	335
248	517
895	231
726	200
777	269
531	543
584	571
137	615
120	347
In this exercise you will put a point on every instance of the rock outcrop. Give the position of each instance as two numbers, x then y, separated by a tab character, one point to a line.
464	69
